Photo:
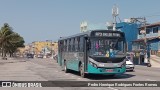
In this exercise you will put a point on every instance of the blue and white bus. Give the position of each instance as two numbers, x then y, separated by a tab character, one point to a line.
93	52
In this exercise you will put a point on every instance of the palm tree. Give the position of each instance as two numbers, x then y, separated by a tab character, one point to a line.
5	33
9	40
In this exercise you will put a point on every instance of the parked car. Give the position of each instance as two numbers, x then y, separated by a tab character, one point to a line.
129	64
4	58
40	56
30	56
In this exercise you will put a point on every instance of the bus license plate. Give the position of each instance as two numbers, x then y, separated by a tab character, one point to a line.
109	70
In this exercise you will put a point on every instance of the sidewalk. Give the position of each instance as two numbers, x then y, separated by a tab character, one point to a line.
155	61
155	58
11	60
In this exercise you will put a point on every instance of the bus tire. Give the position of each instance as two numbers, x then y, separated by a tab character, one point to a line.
65	67
82	74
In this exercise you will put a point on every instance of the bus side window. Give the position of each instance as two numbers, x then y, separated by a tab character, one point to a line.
69	45
76	44
81	43
73	44
65	45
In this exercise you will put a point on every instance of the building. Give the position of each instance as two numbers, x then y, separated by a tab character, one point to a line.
130	29
152	36
39	47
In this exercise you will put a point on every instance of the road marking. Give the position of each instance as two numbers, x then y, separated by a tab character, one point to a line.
66	74
113	88
150	80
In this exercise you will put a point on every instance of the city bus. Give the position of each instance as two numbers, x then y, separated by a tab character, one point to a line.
93	52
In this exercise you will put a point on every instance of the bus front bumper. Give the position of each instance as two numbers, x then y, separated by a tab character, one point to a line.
106	71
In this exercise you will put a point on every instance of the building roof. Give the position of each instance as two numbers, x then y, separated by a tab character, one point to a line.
142	39
152	25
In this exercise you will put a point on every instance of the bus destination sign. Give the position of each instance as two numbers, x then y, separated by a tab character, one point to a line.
104	34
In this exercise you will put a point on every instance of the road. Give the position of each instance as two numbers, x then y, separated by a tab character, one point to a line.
49	70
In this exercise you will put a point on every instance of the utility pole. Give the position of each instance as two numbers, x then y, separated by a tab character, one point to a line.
146	45
115	13
147	48
143	22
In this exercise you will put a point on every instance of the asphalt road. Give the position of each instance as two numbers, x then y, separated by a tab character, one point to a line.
49	70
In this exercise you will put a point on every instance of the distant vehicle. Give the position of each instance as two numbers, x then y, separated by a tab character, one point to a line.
40	56
30	56
4	58
129	64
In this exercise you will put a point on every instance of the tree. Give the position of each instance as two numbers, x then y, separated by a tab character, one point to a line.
9	40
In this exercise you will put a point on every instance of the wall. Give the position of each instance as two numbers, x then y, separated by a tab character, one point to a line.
130	30
155	44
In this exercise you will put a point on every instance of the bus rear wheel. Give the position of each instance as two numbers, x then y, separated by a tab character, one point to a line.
82	74
65	67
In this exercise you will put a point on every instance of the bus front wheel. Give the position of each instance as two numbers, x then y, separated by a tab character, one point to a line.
82	74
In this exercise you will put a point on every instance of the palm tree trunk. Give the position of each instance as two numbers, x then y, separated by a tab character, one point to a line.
2	52
5	54
10	54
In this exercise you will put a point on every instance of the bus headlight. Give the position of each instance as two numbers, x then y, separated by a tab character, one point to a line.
93	64
101	65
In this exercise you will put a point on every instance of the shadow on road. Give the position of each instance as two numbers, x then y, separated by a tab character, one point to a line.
101	77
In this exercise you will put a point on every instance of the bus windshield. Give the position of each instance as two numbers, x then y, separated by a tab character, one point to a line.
102	46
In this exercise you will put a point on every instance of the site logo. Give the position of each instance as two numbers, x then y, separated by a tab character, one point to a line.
21	84
6	84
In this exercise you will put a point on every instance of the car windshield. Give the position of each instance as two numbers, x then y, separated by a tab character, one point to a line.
102	46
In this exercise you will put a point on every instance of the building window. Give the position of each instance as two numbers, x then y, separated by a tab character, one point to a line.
155	30
140	32
147	31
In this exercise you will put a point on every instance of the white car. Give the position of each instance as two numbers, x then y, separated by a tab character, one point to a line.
129	64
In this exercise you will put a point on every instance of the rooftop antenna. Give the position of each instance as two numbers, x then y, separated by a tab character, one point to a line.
114	14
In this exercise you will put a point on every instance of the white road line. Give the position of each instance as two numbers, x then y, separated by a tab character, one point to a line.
112	88
150	80
78	78
66	74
